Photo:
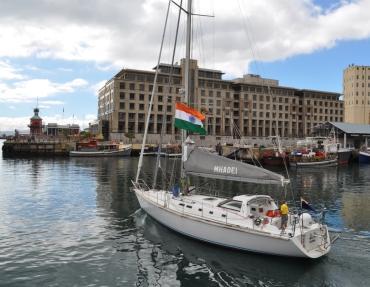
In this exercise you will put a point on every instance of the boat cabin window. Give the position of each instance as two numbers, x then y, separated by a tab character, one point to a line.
209	198
231	204
259	205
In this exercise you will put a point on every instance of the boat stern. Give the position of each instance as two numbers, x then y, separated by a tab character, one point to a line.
314	242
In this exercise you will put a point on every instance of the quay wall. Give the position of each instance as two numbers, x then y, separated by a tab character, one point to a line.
47	148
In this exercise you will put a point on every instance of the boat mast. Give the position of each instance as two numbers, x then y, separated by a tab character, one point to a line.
186	75
152	97
187	57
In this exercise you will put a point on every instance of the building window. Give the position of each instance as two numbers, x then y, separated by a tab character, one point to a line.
122	95
141	107
122	85
122	106
132	86
121	116
132	96
141	97
132	106
121	126
131	116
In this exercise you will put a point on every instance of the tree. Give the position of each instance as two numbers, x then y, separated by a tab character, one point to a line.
130	135
85	134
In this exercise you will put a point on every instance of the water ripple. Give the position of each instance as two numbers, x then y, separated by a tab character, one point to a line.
74	222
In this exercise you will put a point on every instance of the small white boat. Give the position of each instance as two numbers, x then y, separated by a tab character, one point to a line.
314	163
104	150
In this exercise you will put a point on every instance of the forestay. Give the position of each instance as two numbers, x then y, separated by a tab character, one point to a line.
202	163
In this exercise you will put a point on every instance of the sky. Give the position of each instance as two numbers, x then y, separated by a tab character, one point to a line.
57	54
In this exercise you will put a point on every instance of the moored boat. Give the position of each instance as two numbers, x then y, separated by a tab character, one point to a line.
102	150
364	156
313	163
344	156
272	158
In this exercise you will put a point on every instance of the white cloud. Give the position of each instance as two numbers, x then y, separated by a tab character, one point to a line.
65	69
30	90
20	123
128	32
96	87
52	103
8	72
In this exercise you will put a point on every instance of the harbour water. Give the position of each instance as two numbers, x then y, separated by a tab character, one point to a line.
75	222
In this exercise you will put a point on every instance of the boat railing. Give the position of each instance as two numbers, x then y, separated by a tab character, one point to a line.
141	184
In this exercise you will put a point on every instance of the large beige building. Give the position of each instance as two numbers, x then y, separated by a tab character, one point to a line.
254	106
356	90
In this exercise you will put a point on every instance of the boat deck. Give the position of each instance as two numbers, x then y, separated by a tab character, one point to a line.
207	208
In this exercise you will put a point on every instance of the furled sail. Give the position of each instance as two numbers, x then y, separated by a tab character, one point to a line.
205	164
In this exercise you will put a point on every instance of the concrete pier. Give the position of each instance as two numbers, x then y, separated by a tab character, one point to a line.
46	148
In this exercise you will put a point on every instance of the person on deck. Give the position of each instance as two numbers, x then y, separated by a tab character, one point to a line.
284	210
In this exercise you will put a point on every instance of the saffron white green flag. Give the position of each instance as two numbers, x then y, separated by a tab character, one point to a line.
189	119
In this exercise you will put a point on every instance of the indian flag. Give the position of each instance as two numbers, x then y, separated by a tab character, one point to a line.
189	119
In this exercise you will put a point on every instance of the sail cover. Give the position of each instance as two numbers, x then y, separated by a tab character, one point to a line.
205	164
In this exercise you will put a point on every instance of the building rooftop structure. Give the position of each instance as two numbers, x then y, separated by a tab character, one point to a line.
350	128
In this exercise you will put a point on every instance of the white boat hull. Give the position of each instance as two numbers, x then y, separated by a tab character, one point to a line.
331	162
220	234
125	152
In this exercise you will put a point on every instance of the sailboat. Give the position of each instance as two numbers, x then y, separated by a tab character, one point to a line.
244	222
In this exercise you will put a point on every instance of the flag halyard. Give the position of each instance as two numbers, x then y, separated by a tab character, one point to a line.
306	205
